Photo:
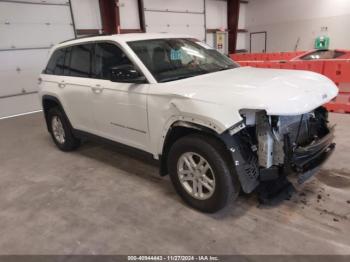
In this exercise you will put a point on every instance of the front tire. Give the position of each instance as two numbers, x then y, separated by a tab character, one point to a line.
61	131
201	173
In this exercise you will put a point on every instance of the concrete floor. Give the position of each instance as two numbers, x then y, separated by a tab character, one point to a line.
99	201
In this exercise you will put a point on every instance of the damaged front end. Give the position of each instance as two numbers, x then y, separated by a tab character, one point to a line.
264	148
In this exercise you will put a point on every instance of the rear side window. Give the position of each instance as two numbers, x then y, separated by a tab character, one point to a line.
108	56
56	63
81	60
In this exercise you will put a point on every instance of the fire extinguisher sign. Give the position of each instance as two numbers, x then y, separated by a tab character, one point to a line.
220	41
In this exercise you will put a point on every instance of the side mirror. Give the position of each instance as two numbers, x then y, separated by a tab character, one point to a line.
126	74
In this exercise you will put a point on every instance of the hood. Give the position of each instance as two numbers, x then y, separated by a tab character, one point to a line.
278	91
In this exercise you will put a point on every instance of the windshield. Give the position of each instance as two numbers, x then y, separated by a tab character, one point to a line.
176	58
322	54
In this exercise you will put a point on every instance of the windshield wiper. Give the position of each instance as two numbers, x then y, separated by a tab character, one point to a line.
225	68
174	78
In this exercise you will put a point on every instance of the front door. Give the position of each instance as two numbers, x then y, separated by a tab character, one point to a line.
120	109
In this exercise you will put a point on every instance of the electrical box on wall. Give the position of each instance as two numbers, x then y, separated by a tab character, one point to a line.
322	42
221	42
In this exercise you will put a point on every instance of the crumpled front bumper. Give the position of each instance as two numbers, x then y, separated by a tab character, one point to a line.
308	159
303	161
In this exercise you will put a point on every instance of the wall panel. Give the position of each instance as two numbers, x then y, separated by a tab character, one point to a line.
181	17
27	33
296	24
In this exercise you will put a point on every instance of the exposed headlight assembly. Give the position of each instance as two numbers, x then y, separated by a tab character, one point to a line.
249	116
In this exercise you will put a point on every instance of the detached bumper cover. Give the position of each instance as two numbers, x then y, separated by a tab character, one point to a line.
307	160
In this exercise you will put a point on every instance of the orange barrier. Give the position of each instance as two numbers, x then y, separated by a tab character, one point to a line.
286	56
338	71
341	104
244	63
344	87
315	66
277	56
273	56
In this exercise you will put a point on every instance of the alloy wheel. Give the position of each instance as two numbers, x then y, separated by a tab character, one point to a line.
196	175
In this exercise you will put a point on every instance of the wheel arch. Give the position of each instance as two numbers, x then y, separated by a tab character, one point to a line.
48	102
177	130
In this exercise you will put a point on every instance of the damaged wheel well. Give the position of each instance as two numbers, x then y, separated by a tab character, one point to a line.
178	130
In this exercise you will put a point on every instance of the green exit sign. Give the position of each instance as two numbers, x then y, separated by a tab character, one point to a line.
322	42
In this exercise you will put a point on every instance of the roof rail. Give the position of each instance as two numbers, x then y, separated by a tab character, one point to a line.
82	37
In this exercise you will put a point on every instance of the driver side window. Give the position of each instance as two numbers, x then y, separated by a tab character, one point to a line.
107	57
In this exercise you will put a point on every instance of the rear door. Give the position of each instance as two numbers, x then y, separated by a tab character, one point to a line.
76	88
120	109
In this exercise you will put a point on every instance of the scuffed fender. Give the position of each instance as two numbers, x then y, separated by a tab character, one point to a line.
211	116
186	121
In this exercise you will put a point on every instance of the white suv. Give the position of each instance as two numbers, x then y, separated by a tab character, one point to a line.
215	127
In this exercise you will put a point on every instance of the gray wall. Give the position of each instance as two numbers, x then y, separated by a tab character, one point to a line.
286	21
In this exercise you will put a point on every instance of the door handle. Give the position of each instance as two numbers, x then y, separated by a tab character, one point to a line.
97	89
61	85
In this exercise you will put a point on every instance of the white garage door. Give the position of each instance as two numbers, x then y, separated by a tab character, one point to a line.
28	29
180	16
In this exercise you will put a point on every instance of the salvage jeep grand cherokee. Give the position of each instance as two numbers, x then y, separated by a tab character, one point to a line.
215	127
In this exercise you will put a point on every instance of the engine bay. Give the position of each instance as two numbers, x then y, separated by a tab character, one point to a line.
271	146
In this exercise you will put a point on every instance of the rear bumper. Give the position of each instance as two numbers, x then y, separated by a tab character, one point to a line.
307	160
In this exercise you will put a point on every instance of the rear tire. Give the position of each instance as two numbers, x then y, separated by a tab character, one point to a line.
202	174
61	131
